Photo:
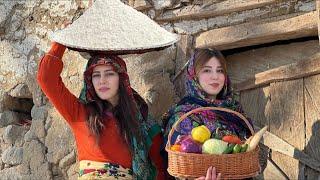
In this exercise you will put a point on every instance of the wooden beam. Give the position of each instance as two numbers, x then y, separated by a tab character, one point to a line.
312	123
212	10
249	34
296	70
273	171
318	12
277	144
286	120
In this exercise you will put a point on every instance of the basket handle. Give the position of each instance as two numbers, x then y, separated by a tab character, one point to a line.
206	108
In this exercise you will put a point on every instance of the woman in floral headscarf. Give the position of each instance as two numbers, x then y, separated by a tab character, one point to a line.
115	136
207	86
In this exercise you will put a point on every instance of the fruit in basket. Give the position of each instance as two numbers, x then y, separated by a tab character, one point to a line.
188	145
214	146
200	133
231	139
244	147
236	149
229	149
180	138
176	147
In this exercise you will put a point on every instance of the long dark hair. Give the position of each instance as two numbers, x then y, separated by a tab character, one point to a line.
125	112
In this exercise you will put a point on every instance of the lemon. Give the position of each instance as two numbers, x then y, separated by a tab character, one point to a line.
200	133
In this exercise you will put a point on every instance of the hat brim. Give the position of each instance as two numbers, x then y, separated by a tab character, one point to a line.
118	52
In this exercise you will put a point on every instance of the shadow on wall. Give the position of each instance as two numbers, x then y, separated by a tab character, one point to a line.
312	149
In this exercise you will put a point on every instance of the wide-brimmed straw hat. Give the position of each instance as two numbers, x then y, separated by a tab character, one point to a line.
113	27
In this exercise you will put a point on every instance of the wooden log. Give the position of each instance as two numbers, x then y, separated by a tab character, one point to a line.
312	116
286	119
249	34
255	103
318	12
183	55
308	67
211	10
273	171
279	145
245	65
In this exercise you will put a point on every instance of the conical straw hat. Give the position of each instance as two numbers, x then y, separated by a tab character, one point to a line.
110	25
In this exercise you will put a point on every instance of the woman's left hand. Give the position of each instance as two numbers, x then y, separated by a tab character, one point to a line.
211	175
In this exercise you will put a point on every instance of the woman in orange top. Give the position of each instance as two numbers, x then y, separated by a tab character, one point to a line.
115	136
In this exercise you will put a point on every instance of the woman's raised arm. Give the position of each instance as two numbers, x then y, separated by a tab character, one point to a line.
50	81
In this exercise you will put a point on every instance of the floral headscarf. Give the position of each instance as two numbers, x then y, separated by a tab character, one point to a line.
142	166
221	123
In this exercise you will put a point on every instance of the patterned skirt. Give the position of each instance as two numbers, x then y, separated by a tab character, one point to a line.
90	170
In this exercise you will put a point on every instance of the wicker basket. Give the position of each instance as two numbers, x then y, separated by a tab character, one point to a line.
231	166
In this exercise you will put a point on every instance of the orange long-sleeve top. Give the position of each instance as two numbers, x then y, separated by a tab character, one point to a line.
112	147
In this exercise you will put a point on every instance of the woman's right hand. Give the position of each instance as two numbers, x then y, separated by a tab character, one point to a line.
211	175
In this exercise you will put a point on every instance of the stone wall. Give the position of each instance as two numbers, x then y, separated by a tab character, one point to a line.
35	141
